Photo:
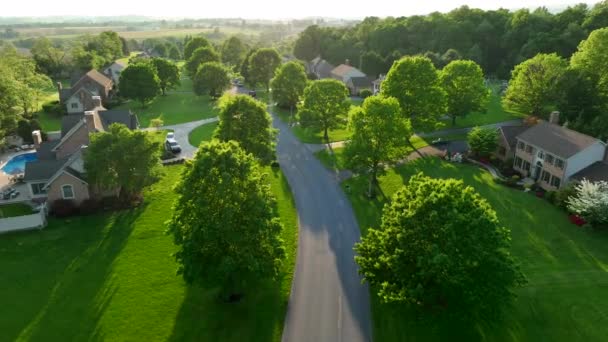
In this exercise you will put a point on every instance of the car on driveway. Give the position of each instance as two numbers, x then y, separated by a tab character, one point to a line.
171	144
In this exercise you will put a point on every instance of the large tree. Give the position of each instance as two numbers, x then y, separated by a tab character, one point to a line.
233	51
482	141
308	44
262	65
194	44
225	222
372	63
244	68
534	85
380	135
465	88
121	159
139	82
440	246
324	106
288	84
168	74
50	60
414	82
212	78
199	57
246	121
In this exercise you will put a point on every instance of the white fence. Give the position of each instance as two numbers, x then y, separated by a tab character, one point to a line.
12	224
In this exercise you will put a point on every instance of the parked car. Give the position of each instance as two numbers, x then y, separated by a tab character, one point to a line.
172	146
170	135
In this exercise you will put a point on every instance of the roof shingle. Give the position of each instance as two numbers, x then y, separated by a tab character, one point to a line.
557	140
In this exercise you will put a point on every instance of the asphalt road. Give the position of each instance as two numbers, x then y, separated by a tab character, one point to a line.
328	303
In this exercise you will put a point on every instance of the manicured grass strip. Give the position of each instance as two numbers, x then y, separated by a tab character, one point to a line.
15	209
174	108
312	136
112	277
567	267
202	133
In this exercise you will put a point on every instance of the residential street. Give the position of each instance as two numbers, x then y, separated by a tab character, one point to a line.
328	301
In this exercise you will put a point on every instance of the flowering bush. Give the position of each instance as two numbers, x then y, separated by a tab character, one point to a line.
577	220
590	202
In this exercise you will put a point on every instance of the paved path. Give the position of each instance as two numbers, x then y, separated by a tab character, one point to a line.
451	131
328	303
181	135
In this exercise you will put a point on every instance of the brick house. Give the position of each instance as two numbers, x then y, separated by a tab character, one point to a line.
78	98
554	155
58	172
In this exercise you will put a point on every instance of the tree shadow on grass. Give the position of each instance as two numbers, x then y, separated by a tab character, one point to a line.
64	288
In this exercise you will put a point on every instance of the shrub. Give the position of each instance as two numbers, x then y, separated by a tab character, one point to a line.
157	123
63	208
275	164
561	196
482	141
590	202
53	107
365	93
90	206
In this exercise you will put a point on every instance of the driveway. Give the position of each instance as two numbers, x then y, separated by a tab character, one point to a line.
328	303
181	135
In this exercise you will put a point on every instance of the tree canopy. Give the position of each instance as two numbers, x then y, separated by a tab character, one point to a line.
194	44
225	222
440	246
262	64
122	159
464	85
247	122
380	135
139	82
233	51
200	56
414	82
288	84
212	78
324	106
482	141
534	86
168	73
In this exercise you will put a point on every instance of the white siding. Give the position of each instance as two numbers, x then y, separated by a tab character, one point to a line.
585	158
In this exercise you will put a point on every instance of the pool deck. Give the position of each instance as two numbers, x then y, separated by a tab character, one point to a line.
5	179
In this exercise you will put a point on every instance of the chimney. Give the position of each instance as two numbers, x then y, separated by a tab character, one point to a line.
89	117
37	138
96	101
59	88
554	118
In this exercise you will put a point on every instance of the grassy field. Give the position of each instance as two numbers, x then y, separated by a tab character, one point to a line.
201	133
112	277
493	114
15	209
173	109
337	161
566	266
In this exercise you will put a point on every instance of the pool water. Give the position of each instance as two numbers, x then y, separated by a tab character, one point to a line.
16	164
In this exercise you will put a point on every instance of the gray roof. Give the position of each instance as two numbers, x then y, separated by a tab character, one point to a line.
65	93
362	82
511	132
45	150
42	169
69	121
595	172
123	116
324	69
557	140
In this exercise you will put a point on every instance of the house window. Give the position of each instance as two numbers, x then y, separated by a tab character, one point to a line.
74	105
555	181
549	158
526	166
545	176
559	163
518	162
529	149
67	191
521	145
540	155
38	188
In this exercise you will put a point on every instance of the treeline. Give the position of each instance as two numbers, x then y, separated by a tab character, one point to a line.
497	40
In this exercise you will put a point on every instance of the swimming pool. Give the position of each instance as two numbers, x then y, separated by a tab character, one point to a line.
17	163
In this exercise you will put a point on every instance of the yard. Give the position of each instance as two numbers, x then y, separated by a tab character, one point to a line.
112	277
15	209
201	133
566	266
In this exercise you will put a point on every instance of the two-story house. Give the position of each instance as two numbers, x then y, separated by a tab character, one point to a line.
354	79
320	68
58	172
78	98
553	155
113	71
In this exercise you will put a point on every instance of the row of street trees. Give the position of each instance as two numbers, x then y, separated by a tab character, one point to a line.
144	79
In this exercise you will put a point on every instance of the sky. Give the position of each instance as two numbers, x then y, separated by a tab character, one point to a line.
262	9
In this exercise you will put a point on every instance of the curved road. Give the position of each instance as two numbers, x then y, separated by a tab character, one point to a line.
328	303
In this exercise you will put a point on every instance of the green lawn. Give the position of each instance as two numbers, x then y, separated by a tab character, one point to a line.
493	114
201	133
566	266
312	136
112	277
15	209
173	109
